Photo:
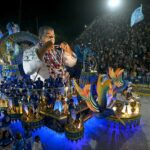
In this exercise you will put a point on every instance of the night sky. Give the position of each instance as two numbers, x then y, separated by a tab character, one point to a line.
67	17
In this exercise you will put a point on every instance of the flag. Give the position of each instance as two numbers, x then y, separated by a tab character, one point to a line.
137	16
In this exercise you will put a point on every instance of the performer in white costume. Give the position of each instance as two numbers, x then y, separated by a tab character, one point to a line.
43	59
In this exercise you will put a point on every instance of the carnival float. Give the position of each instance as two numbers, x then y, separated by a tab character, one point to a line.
65	107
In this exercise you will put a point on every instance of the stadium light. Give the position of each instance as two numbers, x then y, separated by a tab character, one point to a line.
114	3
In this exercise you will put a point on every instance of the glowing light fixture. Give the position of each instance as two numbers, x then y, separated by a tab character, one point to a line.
114	3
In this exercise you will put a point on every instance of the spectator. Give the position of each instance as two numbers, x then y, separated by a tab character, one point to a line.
37	145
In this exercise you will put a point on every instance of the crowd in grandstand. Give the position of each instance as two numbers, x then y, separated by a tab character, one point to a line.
119	45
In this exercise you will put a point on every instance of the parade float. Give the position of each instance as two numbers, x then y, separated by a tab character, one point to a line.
115	100
68	106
